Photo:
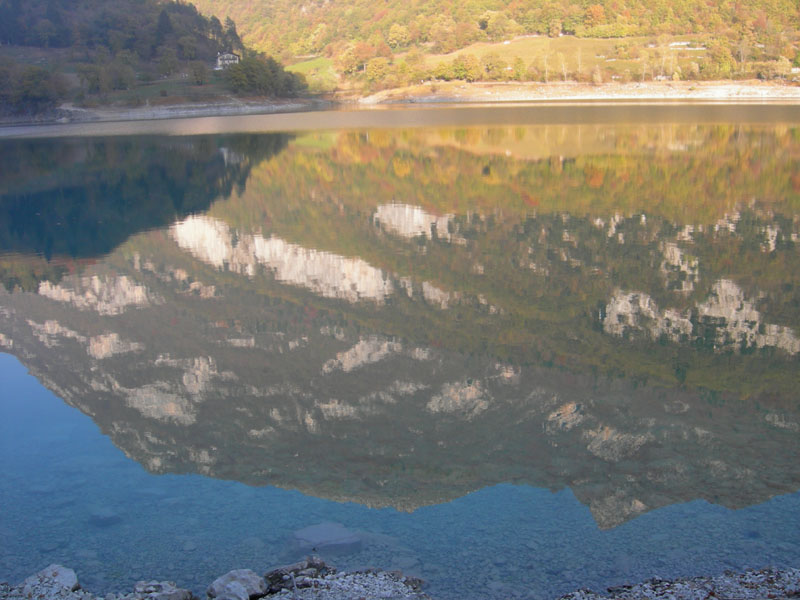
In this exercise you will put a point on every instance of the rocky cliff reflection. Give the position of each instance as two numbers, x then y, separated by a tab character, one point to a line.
336	328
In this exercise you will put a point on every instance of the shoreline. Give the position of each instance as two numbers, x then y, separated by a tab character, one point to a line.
751	91
69	114
313	579
431	94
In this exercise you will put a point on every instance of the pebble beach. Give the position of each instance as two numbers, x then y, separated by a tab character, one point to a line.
313	579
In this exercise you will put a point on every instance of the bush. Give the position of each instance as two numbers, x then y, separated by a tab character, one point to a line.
30	89
264	77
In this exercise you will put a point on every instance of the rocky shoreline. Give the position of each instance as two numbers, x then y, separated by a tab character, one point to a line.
313	579
309	579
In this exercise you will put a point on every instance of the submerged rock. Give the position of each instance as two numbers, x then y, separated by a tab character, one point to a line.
104	517
240	584
325	538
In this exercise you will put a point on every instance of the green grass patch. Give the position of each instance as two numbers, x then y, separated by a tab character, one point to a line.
615	56
319	72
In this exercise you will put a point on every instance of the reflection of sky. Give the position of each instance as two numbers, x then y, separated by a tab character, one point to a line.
56	470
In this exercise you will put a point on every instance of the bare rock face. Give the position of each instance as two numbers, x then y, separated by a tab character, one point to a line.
239	584
52	579
325	538
301	574
160	590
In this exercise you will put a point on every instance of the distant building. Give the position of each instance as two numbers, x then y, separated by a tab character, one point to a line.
225	60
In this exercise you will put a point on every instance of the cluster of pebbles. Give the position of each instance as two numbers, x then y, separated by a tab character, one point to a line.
313	579
754	584
309	579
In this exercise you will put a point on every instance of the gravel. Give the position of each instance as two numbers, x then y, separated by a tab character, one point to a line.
374	585
750	585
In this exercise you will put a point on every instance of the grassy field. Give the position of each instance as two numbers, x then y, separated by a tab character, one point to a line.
170	90
618	58
320	74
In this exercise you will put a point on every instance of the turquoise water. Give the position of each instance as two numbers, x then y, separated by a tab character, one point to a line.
505	539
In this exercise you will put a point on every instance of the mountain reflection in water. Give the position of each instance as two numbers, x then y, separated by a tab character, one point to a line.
400	318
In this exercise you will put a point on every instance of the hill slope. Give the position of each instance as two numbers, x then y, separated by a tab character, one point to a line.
283	26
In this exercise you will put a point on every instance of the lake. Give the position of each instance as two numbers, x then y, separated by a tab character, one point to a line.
513	351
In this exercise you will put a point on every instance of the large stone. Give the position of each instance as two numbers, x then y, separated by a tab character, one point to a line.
160	590
325	538
239	584
52	579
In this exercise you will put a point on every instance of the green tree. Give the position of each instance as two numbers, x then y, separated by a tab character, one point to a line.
264	76
231	37
163	27
167	61
494	67
467	68
29	89
199	72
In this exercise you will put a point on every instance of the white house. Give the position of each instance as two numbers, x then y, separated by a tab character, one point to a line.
225	60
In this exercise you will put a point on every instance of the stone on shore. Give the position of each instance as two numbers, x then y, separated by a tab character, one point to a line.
301	574
239	584
160	590
50	581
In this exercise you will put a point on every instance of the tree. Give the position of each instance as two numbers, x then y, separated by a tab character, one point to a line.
29	89
187	46
519	69
168	61
199	72
264	76
398	36
466	67
595	15
163	27
215	29
562	59
377	69
231	37
493	66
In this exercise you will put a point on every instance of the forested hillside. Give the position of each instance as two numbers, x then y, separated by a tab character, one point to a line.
145	28
311	26
113	45
729	36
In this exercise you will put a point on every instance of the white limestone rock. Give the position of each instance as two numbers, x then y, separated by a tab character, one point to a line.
239	584
50	581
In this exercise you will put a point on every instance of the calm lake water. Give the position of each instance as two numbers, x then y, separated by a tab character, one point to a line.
513	352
